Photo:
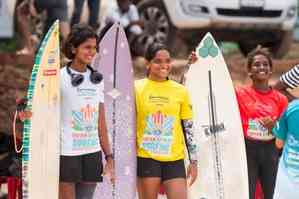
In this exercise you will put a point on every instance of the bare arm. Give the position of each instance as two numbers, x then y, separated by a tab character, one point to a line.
191	60
102	131
282	87
138	22
105	145
279	143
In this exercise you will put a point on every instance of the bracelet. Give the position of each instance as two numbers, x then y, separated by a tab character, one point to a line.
110	155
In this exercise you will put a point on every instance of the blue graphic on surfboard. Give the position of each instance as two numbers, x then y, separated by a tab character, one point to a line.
218	129
115	63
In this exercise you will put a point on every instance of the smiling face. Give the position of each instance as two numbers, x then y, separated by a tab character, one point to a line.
85	52
160	66
260	69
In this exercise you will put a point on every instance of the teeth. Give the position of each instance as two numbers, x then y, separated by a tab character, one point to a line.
262	72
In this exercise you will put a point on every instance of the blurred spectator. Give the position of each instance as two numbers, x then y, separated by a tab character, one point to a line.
93	7
24	9
127	15
55	9
288	80
9	163
5	157
287	137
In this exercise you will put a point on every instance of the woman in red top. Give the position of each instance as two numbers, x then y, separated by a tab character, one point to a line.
260	106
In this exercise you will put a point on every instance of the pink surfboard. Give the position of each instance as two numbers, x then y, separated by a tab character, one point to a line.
115	63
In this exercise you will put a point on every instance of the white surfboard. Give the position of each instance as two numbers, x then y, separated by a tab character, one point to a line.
222	157
41	146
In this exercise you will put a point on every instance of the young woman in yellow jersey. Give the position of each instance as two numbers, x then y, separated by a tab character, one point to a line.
164	125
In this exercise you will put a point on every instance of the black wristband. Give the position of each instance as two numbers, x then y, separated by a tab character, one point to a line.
110	155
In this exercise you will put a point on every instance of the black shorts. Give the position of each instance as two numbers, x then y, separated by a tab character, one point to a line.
82	168
147	167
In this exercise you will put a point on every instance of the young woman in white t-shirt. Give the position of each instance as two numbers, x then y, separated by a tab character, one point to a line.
83	127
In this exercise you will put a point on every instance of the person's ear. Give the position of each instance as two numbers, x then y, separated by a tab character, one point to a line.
73	49
249	73
147	65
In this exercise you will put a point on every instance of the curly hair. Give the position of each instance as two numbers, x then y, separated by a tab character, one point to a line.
259	50
78	35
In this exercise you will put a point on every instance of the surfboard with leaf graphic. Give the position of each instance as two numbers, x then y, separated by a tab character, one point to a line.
222	158
41	135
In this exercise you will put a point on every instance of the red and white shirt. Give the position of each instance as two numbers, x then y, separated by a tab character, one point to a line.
255	105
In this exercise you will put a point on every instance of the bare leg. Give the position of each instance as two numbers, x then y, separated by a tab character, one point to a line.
85	190
65	30
78	4
176	188
148	187
66	190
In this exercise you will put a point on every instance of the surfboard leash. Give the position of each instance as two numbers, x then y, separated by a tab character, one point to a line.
21	106
15	134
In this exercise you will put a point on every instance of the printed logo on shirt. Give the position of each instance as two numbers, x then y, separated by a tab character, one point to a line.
85	128
158	99
86	92
158	134
257	131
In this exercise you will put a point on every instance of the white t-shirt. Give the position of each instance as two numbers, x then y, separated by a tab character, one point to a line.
115	15
79	114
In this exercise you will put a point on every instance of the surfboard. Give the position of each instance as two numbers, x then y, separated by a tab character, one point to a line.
41	134
115	63
222	159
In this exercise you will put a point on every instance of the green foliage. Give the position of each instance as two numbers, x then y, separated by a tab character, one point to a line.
8	45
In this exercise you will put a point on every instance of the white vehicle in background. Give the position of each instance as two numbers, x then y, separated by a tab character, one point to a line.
247	22
6	20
